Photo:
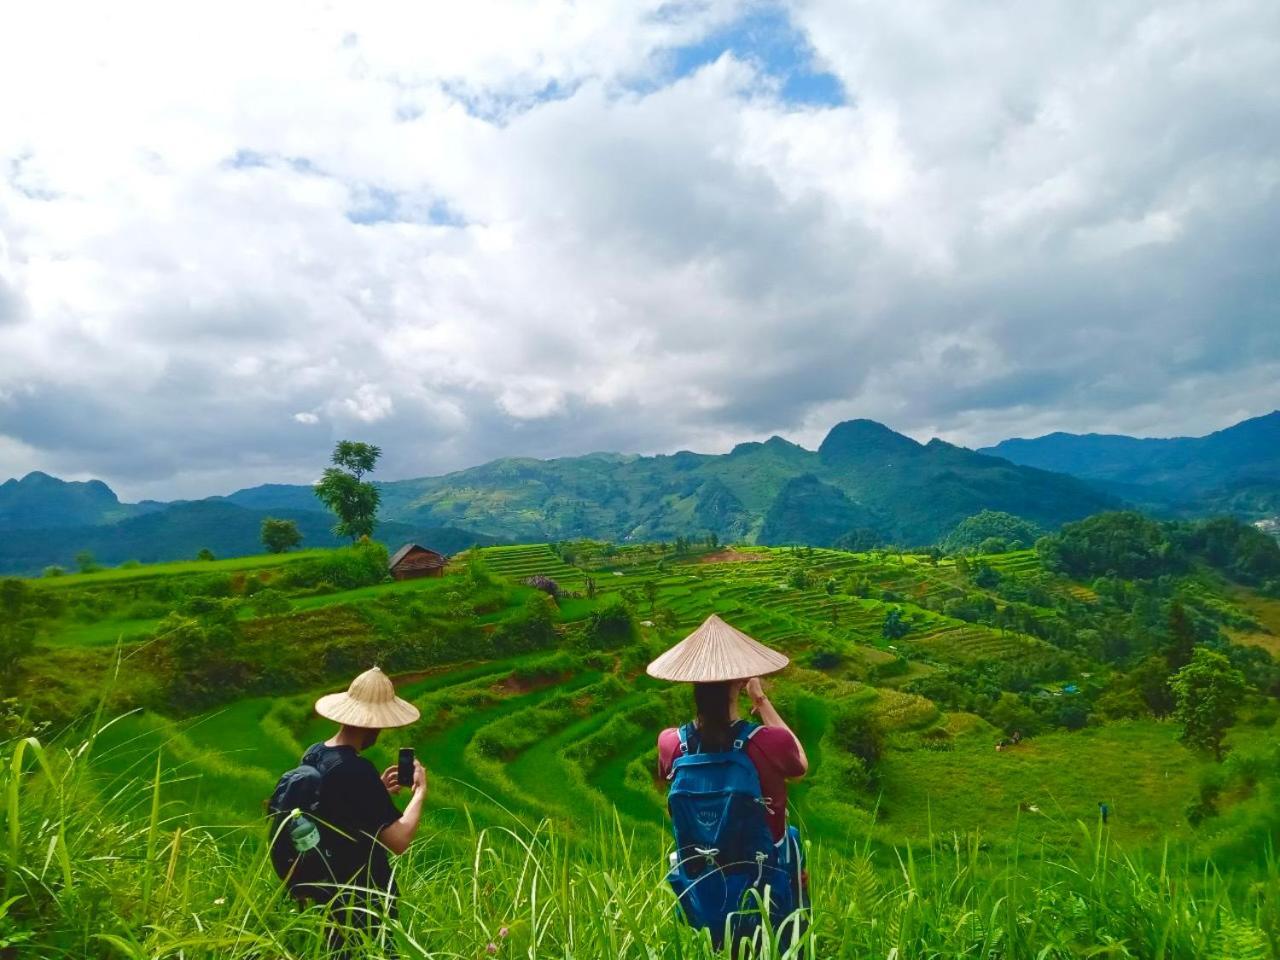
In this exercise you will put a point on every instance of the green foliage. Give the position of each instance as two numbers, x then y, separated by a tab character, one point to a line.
353	500
280	535
1013	714
990	531
1207	691
360	565
857	730
85	562
533	629
1125	544
799	578
270	602
1240	550
53	571
610	626
894	626
205	555
19	623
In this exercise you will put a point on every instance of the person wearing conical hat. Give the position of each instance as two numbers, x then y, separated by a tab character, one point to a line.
722	662
359	821
721	816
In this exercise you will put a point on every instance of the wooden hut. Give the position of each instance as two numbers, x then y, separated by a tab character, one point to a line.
413	560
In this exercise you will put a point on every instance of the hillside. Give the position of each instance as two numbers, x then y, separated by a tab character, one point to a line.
865	484
903	491
537	709
182	530
1234	470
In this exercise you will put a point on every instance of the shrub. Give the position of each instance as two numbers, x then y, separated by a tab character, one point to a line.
533	629
271	603
610	626
857	731
53	571
347	568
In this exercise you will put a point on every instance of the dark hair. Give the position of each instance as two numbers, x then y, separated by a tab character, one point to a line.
712	703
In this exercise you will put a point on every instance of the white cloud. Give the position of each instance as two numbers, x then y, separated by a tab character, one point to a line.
477	229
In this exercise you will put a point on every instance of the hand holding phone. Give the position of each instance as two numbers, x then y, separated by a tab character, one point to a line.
404	771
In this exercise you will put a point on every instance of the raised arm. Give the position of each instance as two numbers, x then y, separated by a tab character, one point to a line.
769	716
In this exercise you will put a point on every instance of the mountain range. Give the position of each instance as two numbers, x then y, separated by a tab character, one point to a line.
1235	470
864	484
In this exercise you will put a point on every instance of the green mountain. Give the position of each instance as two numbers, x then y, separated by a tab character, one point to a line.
39	500
864	477
1240	461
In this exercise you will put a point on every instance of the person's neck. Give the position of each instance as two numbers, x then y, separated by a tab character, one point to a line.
347	737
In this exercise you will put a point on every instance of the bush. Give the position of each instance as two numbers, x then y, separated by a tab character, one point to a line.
53	571
271	603
825	655
858	732
609	626
533	629
346	568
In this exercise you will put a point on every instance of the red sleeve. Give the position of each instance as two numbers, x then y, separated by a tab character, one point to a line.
668	747
781	749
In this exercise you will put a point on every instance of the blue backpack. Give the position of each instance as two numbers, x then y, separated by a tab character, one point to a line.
726	864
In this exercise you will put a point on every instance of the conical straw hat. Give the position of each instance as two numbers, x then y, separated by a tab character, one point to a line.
370	702
716	652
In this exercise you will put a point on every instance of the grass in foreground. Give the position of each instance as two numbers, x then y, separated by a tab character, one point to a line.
101	870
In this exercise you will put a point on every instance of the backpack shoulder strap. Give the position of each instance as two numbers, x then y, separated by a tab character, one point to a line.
689	740
743	731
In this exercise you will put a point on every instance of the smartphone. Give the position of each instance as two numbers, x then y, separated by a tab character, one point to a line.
405	771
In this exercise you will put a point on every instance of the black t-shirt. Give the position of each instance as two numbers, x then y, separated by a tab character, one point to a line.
355	802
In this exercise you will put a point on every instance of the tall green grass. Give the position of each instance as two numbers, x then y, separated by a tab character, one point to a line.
114	868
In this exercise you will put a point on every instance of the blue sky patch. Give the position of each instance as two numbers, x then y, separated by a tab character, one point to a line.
372	204
767	37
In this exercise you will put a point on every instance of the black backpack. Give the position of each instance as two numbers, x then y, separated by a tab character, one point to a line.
299	852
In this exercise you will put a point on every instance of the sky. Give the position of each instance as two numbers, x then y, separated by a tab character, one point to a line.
232	234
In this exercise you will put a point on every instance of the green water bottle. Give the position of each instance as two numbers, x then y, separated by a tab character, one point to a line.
303	833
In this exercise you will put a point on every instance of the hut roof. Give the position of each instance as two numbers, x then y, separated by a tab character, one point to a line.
406	550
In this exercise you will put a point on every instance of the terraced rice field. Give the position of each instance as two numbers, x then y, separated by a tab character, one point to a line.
516	739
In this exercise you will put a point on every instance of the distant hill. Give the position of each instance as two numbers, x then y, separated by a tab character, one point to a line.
39	500
1240	460
181	530
864	477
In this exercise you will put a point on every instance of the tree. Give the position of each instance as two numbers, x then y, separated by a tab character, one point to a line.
343	489
894	627
1182	637
205	554
651	594
1207	691
280	535
85	561
856	730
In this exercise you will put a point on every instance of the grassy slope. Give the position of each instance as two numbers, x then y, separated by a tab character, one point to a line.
970	787
1137	767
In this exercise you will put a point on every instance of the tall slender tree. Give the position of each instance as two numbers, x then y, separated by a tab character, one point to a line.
343	489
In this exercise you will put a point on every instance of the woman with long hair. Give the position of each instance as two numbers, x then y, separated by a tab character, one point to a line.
727	781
